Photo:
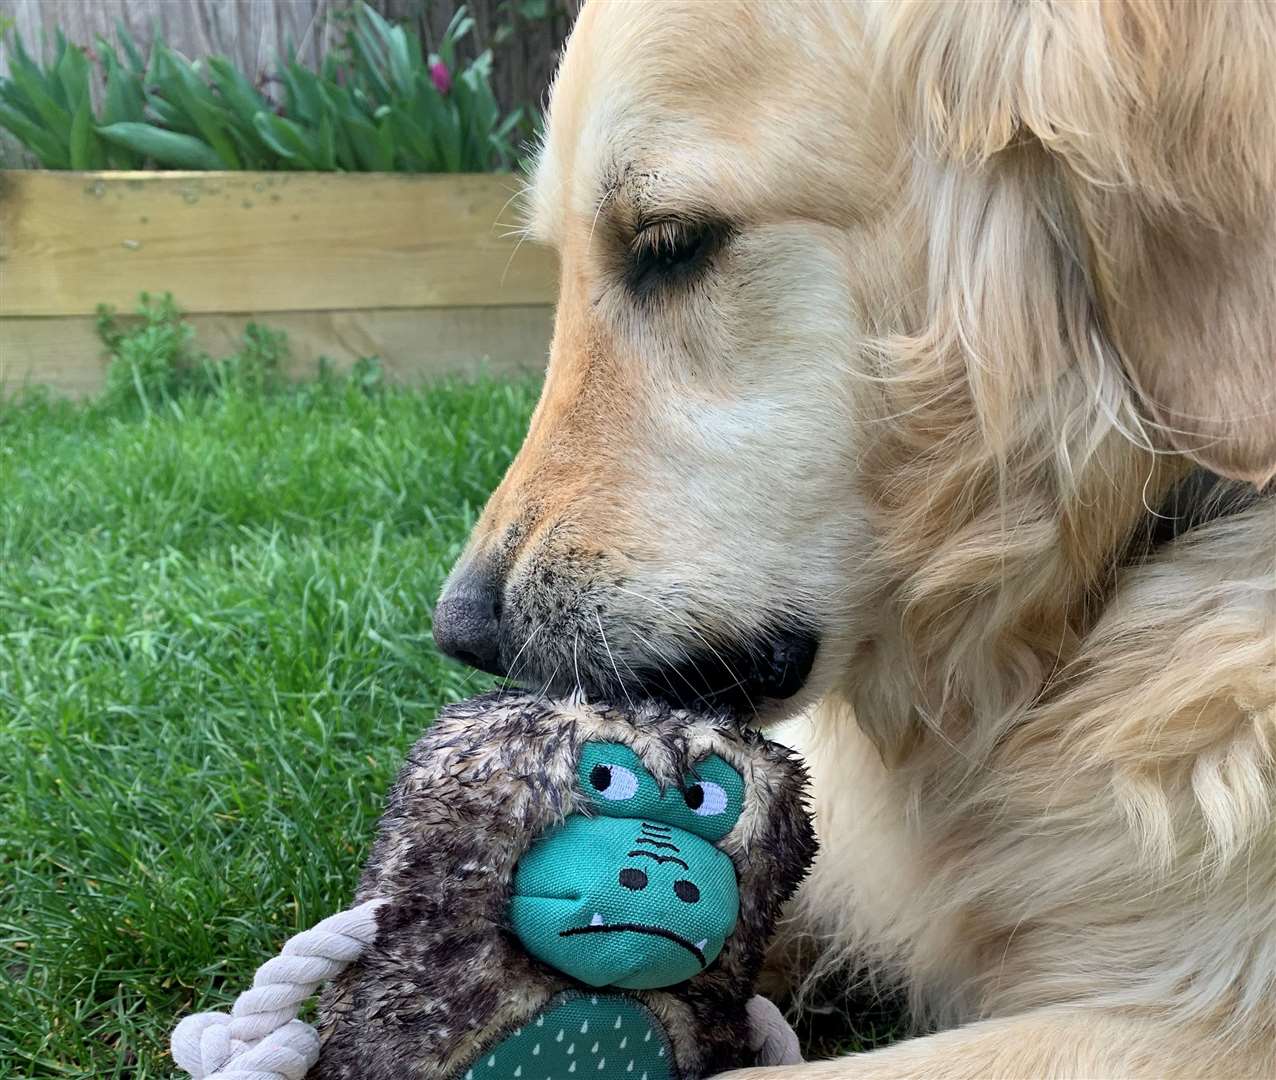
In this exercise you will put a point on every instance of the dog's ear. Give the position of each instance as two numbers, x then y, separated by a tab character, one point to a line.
1161	119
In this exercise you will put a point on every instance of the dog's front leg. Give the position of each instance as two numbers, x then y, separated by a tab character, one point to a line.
1068	1044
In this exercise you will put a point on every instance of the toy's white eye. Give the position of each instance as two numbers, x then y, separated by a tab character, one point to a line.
706	798
613	782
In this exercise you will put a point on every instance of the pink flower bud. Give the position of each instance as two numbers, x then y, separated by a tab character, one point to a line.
441	76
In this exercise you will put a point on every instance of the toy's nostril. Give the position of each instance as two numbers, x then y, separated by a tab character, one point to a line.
686	890
634	879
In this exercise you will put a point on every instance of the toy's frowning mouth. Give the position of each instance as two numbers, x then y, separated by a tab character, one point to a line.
600	927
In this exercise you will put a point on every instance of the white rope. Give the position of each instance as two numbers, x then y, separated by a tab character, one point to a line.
261	1038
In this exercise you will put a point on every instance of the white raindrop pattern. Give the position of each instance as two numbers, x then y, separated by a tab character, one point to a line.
595	1038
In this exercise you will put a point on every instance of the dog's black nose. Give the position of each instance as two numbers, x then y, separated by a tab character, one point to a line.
467	620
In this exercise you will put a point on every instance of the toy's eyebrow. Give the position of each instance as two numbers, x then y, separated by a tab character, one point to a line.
658	858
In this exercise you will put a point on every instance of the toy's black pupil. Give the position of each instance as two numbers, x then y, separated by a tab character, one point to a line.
636	879
694	796
686	891
600	777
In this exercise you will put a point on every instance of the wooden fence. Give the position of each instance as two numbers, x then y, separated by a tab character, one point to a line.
420	270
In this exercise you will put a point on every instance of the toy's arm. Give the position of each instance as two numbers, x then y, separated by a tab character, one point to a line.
770	1036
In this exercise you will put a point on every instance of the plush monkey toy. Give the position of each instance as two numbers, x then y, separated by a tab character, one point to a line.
570	891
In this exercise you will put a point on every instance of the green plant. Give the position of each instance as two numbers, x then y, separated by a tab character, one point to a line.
378	104
49	109
154	359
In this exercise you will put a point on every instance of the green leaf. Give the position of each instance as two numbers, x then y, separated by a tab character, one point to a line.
367	65
303	98
16	99
125	101
52	153
51	77
288	139
170	116
327	144
27	78
478	111
415	144
501	141
81	139
262	122
238	94
195	96
439	114
386	145
253	152
390	50
341	102
369	17
106	54
341	114
373	153
401	61
459	25
169	148
73	74
157	66
131	50
20	48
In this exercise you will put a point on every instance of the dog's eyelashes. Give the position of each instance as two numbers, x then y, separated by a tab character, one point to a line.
668	252
666	244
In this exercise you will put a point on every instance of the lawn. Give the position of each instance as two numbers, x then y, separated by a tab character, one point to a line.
215	596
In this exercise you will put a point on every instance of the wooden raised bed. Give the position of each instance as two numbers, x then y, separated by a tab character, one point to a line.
419	270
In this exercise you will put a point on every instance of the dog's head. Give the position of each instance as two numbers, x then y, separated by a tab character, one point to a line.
835	284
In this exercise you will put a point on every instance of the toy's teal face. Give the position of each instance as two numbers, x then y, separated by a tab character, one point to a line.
636	895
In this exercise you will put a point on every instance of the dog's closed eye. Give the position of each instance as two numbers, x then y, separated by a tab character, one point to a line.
669	252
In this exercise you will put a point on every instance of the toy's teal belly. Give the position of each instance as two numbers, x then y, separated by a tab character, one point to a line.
582	1037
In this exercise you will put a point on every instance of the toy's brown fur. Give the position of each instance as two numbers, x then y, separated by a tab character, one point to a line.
446	977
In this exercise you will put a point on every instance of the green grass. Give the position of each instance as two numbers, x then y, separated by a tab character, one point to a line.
215	597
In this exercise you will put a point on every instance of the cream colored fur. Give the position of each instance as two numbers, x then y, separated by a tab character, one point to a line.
1000	275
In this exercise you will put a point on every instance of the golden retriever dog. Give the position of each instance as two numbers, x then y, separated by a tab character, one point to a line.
914	371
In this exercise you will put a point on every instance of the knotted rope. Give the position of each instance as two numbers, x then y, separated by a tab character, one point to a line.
261	1038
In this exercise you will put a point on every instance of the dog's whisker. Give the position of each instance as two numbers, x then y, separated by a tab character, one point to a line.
580	691
674	667
513	668
737	683
620	682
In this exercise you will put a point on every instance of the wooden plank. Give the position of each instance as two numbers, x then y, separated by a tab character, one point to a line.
224	242
64	353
